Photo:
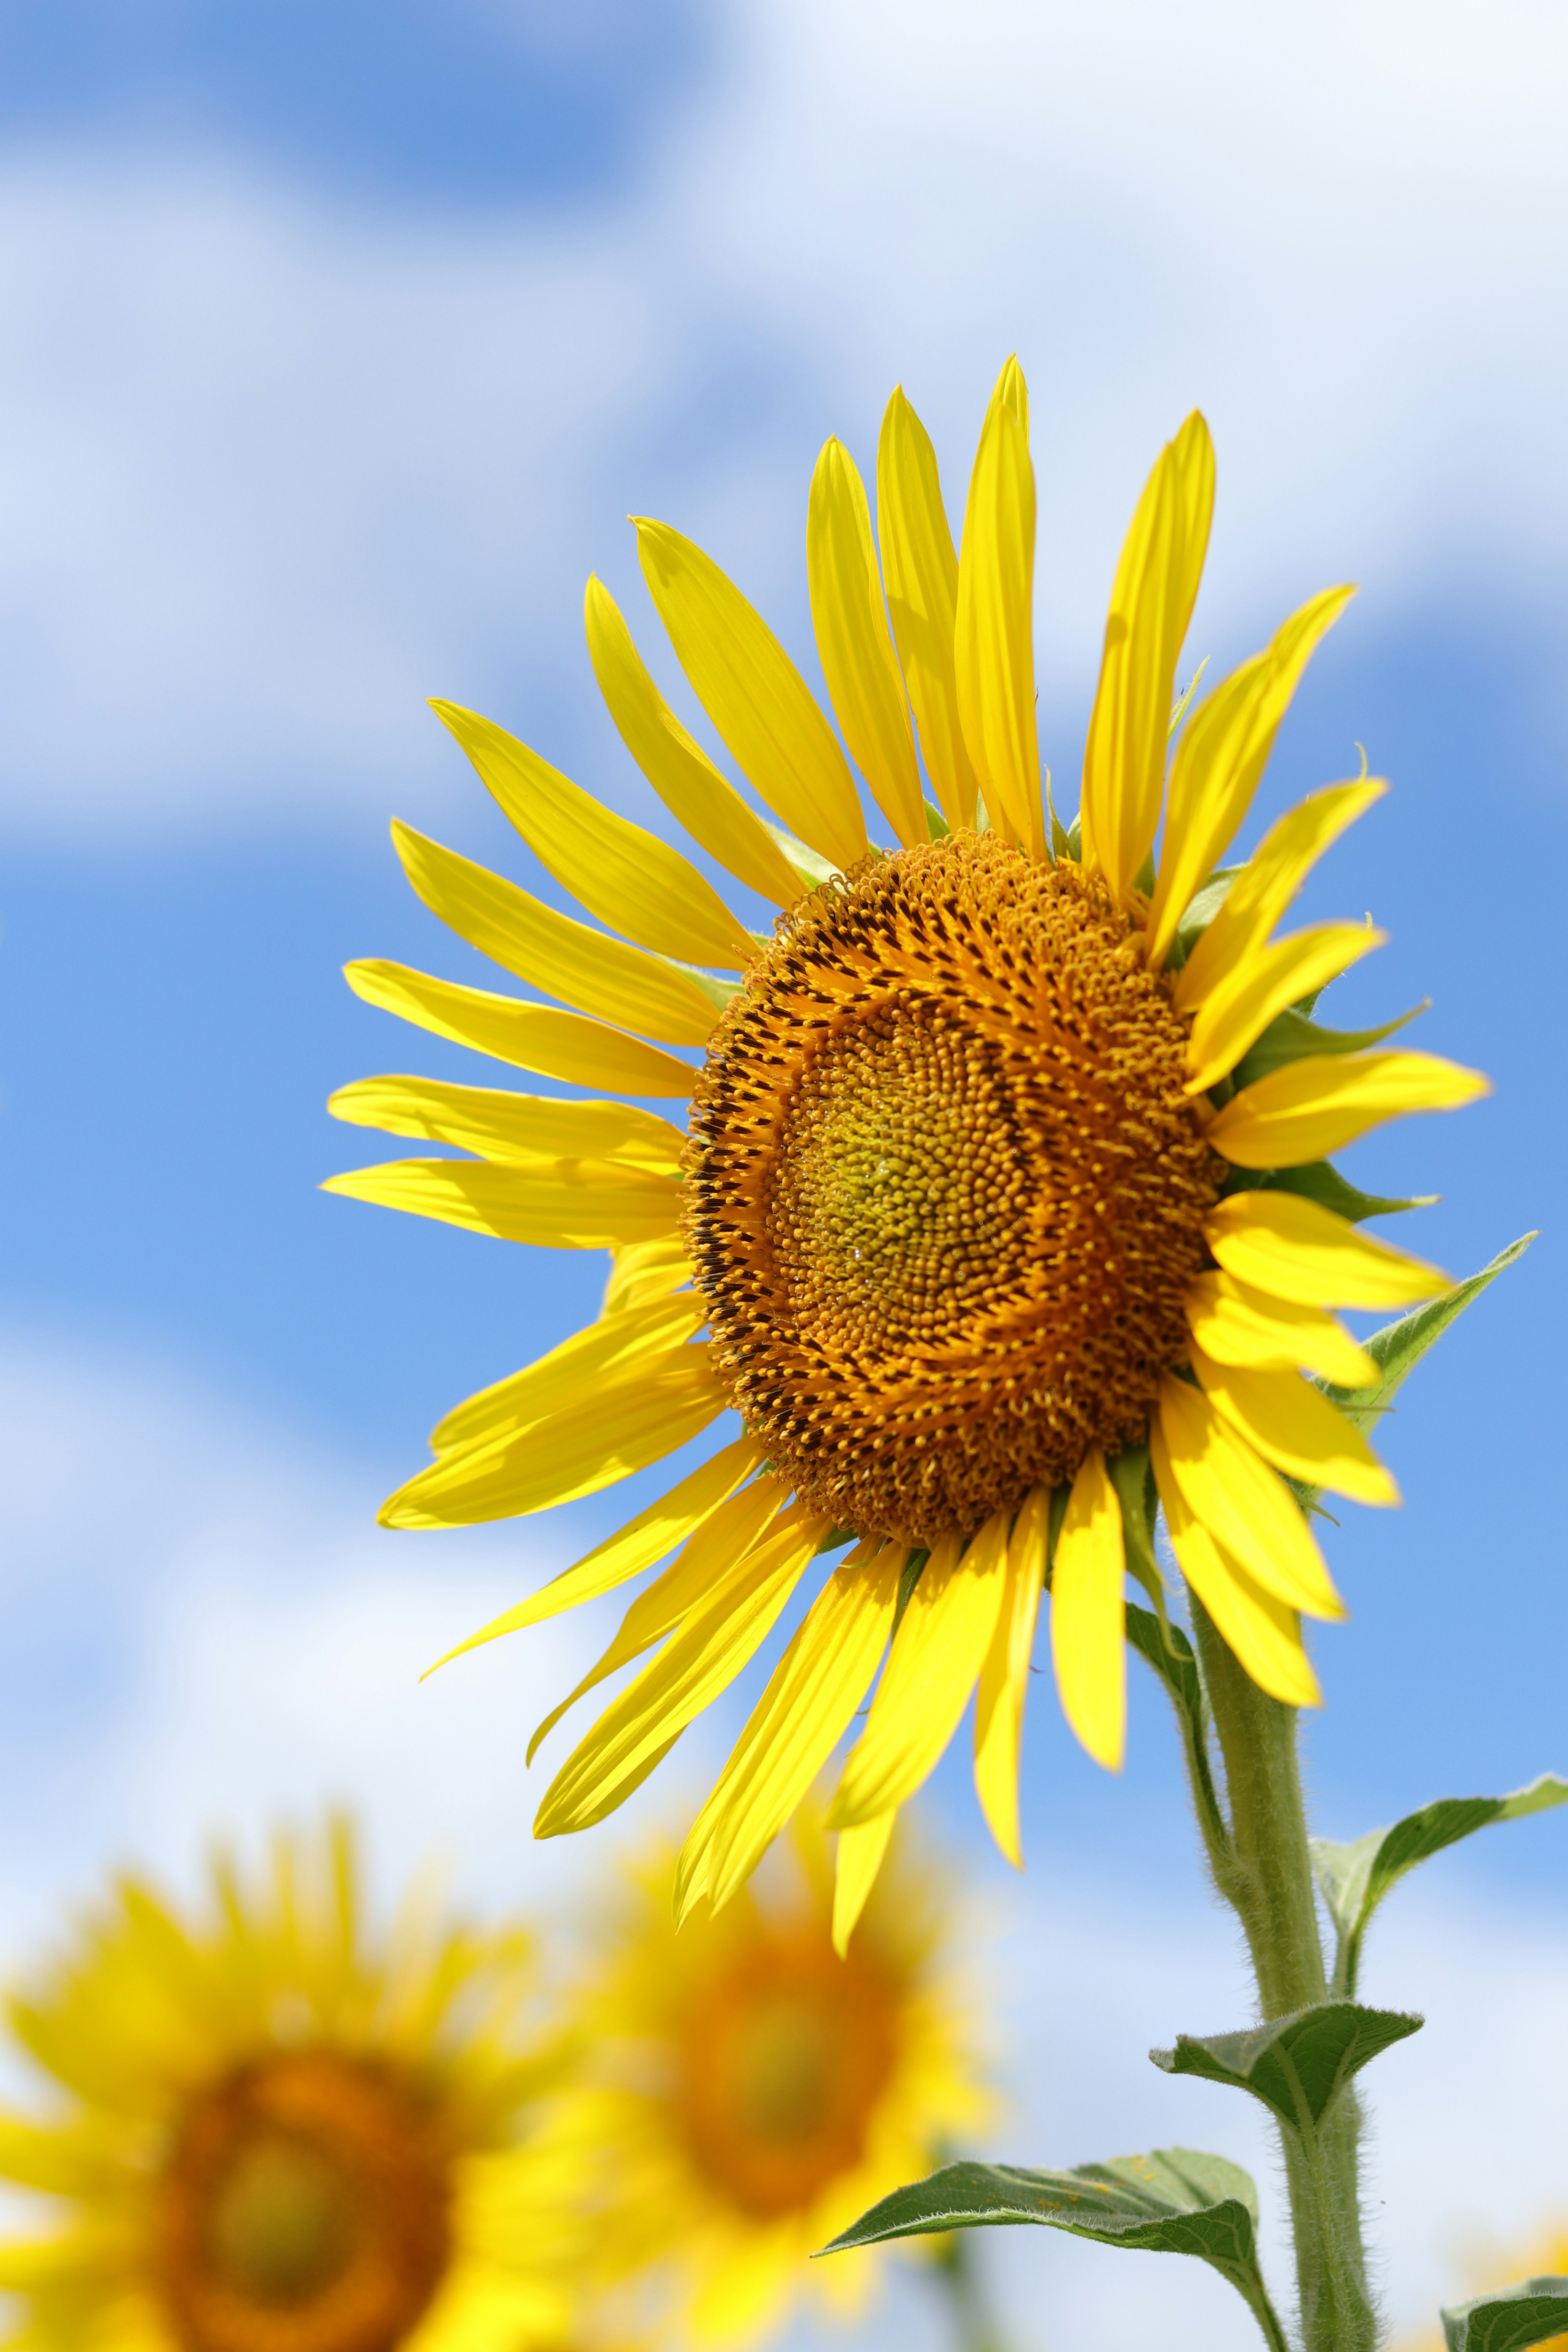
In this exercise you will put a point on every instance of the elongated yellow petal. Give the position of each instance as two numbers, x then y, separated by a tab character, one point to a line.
531	1036
1237	1325
585	969
590	1444
1151	603
920	568
1241	1501
502	1125
1293	1426
1311	1107
695	1665
754	694
1237	1013
1263	1632
569	1374
796	1724
1219	760
625	875
550	1203
641	1271
1298	1250
861	1853
723	1538
932	1666
852	641
1267	882
1088	1614
637	1545
994	645
1004	1676
679	770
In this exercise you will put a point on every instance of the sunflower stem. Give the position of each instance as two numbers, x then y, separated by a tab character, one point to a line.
1272	1890
973	2323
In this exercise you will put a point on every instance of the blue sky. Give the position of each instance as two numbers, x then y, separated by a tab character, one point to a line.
341	343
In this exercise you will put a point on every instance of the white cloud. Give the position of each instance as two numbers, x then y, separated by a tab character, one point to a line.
277	467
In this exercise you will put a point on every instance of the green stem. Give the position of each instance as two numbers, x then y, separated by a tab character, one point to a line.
1271	1888
974	2327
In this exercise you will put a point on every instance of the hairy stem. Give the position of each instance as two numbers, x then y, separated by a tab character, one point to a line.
974	2327
1271	1888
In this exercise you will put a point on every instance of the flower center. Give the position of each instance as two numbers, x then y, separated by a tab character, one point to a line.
946	1191
304	2210
785	2058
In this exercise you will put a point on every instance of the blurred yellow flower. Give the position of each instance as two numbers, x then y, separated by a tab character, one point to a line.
1496	2268
272	2131
752	2091
1007	1157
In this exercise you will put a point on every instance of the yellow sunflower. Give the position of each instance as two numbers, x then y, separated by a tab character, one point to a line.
1004	1200
754	2089
271	2132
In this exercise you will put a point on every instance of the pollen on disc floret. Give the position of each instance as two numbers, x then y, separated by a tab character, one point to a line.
946	1192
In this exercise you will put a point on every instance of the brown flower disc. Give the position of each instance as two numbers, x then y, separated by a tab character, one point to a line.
945	1190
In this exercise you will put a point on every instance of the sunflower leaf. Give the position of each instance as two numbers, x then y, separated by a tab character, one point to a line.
1297	2065
1174	2201
1399	1347
1354	1877
1529	2314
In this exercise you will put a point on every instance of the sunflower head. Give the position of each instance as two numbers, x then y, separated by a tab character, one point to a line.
272	2132
1004	1221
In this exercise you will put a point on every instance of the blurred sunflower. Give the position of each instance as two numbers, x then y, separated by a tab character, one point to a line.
753	2087
272	2136
1003	1199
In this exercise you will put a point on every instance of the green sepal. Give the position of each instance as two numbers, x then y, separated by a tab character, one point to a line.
1320	1180
1399	1347
1169	1652
1174	2201
1529	2314
1297	2065
812	867
1183	703
1354	1877
1201	910
1291	1036
718	992
907	1581
937	825
1132	1476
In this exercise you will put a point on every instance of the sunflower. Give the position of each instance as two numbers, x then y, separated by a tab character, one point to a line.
1003	1202
754	2088
270	2137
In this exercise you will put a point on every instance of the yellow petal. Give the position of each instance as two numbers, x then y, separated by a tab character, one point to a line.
1317	1106
1219	760
594	974
1240	1500
569	1374
932	1668
1239	1010
1267	884
1237	1325
1004	1676
796	1724
590	1444
1263	1633
920	568
1294	1425
679	770
695	1665
548	1204
861	1853
637	1545
627	877
754	694
502	1125
1298	1250
994	646
1088	1614
531	1037
856	652
1151	603
723	1538
641	1271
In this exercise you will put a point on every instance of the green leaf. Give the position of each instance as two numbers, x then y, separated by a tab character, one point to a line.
1320	1180
1291	1036
1174	2201
1355	1877
1297	2066
1399	1347
1519	2316
1169	1652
